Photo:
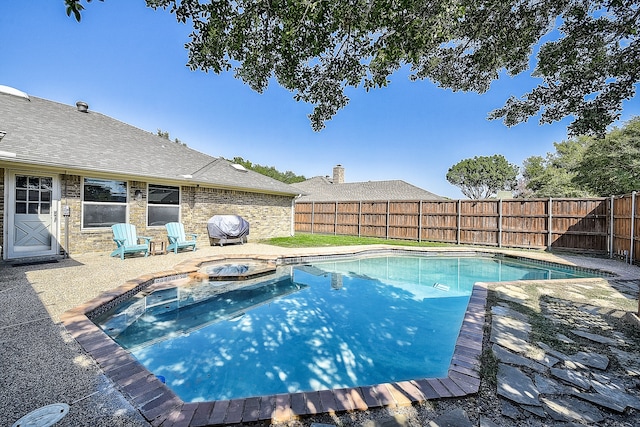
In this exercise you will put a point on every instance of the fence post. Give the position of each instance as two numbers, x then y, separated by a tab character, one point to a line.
459	221
313	212
387	229
335	221
500	223
633	217
359	218
549	227
420	222
611	228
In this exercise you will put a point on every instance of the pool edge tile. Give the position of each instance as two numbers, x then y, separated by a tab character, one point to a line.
218	413
282	410
439	387
313	403
251	410
298	404
234	411
370	397
328	401
201	414
343	400
267	407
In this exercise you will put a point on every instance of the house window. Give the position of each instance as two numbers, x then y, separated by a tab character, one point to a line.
104	203
163	205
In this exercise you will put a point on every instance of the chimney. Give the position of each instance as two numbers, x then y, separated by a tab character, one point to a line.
83	107
338	174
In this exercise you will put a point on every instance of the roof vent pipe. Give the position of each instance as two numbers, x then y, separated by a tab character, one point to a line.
83	107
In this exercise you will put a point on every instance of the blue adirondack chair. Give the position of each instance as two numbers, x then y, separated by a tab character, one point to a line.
128	241
178	238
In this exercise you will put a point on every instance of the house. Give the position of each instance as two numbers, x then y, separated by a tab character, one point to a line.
68	173
326	189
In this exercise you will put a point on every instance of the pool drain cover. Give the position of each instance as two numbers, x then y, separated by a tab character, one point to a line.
43	417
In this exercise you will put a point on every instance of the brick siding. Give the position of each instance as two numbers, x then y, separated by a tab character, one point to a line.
268	215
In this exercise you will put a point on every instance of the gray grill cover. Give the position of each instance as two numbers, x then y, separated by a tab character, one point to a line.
227	227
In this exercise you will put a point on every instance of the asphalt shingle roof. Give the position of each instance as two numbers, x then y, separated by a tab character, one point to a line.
322	189
52	134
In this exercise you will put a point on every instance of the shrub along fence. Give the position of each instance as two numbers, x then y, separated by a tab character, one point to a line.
607	226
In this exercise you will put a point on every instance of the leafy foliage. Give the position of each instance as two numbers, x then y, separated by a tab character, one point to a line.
482	177
319	48
611	166
554	175
587	166
165	135
287	177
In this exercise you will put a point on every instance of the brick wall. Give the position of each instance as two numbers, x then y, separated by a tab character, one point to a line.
268	215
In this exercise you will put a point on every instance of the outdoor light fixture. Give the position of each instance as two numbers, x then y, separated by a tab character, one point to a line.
2	134
138	195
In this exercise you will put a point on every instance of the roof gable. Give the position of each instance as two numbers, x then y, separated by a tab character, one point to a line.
321	189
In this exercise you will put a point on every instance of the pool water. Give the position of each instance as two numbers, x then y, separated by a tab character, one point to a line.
317	326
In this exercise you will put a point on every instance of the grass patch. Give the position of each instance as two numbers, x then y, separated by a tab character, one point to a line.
302	240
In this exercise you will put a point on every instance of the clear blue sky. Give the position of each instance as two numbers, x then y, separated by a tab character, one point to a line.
128	62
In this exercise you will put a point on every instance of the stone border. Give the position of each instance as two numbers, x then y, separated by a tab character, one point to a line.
160	405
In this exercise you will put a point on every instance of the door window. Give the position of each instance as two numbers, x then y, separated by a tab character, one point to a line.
33	195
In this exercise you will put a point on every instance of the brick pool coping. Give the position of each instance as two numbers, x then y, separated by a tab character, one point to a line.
161	406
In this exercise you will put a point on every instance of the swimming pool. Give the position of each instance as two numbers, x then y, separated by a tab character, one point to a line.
314	326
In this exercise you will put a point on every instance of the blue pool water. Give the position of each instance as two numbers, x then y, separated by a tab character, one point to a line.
328	325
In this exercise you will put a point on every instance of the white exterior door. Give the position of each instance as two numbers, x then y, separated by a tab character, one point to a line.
32	215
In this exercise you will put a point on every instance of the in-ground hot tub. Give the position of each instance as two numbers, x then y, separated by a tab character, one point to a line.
235	269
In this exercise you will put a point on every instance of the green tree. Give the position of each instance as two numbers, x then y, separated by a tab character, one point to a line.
588	60
533	169
287	177
165	135
554	176
587	166
611	166
482	177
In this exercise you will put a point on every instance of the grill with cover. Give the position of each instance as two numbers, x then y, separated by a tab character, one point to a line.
227	229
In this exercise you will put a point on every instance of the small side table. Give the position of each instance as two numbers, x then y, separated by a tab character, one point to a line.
157	247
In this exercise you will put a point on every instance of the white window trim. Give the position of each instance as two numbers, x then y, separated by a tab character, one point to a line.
179	205
83	203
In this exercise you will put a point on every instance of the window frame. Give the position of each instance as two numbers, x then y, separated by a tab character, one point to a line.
151	205
85	203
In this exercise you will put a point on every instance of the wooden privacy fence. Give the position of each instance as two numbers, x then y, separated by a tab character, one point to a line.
598	225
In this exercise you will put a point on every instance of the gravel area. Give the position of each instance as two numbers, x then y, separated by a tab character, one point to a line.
41	364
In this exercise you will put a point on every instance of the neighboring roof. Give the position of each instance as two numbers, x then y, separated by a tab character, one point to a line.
322	189
50	134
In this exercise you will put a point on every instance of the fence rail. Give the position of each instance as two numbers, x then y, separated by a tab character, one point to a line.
595	225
